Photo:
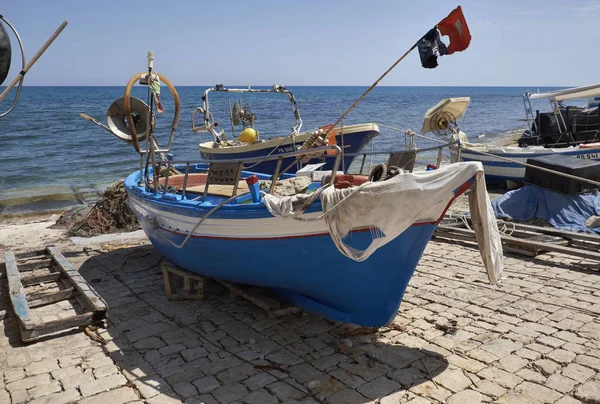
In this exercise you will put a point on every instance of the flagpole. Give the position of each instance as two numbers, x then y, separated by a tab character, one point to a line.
372	86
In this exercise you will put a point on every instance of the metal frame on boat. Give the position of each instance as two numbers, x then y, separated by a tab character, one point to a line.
351	138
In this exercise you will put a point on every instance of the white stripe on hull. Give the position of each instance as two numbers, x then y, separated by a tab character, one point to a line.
267	227
515	170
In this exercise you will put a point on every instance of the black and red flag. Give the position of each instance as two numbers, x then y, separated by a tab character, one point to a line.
431	46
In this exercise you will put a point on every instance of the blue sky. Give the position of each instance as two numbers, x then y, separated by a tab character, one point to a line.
515	42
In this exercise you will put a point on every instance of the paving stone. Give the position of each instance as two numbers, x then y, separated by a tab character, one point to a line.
589	392
538	392
117	396
201	399
283	390
589	361
470	365
147	331
346	396
378	387
259	380
237	373
13	374
151	386
19	396
501	377
230	393
364	368
44	366
531	375
551	342
349	379
260	396
482	355
170	398
206	384
76	380
546	366
465	396
44	390
304	372
329	361
28	382
284	358
323	387
561	356
528	354
185	389
567	400
578	372
428	389
453	379
62	397
560	383
194	353
99	385
149	343
489	388
512	363
516	398
220	365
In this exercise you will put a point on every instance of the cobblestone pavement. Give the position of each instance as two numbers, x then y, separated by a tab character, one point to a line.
456	339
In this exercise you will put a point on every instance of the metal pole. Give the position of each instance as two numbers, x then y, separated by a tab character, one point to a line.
33	60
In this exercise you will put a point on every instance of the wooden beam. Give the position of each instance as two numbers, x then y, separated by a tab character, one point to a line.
526	243
33	332
93	299
36	280
42	299
15	289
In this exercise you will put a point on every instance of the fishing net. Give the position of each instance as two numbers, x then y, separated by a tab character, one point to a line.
110	214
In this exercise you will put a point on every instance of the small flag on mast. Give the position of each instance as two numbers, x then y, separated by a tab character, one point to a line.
431	46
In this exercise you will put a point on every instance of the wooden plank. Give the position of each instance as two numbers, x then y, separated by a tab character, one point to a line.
15	288
189	280
32	333
532	244
553	231
31	266
42	299
36	280
261	301
93	299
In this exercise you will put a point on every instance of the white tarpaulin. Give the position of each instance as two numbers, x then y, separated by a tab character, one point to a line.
395	204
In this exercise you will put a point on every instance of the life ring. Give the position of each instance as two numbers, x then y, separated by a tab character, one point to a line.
127	105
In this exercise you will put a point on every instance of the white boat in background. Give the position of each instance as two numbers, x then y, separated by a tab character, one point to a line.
567	131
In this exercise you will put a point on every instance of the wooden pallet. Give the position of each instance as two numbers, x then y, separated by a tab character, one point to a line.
195	286
55	280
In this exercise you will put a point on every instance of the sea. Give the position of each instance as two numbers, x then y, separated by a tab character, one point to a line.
51	158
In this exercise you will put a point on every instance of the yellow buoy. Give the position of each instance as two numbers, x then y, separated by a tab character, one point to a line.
248	135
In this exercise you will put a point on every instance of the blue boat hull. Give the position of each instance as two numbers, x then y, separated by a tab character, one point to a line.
244	243
309	271
351	143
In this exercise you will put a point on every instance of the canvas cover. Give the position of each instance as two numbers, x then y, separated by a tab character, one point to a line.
393	205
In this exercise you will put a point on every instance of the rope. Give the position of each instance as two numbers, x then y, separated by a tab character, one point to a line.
110	214
413	133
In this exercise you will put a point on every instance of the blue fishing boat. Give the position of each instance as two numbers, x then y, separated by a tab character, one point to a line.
238	239
248	143
341	246
565	131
